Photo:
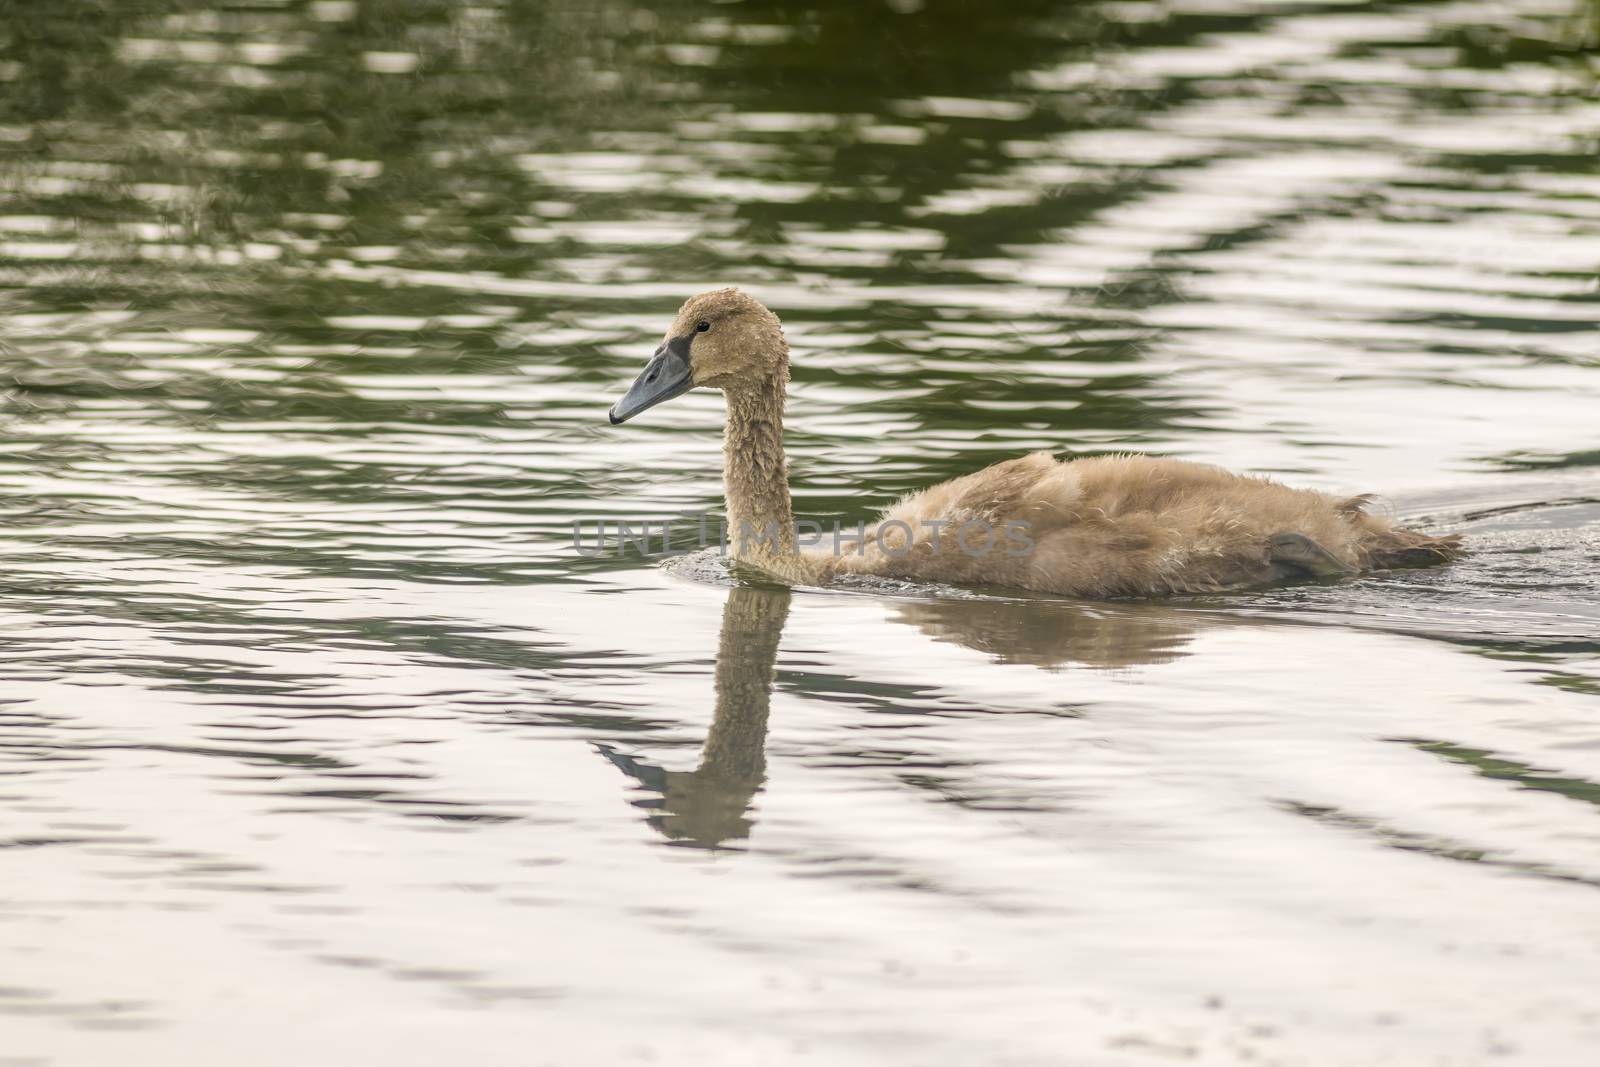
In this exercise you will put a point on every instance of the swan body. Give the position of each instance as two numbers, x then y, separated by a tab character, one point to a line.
1107	526
1132	525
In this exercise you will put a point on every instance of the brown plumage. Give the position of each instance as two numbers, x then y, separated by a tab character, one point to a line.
1109	526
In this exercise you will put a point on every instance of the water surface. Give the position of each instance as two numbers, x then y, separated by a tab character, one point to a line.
320	743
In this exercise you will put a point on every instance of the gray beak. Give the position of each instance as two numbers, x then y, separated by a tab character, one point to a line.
666	375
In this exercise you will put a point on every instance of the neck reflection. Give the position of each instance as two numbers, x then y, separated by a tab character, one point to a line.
709	806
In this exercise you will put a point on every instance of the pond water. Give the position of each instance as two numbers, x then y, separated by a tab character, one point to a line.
320	743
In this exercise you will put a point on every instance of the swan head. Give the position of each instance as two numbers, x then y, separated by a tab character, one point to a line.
724	339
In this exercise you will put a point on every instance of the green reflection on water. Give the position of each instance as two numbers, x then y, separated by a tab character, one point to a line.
446	231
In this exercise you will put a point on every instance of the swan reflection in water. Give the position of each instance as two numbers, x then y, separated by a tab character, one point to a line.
710	805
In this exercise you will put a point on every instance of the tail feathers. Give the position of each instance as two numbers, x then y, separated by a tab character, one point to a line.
1407	548
1354	506
1390	546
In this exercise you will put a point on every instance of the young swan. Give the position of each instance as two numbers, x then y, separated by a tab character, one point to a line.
1111	526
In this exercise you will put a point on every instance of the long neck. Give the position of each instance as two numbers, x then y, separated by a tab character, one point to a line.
755	476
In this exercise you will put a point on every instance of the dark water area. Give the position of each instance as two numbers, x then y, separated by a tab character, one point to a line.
321	742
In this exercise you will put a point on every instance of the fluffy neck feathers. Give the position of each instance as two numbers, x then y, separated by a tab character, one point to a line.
755	474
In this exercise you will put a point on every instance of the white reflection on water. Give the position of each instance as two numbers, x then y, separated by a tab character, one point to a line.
1144	847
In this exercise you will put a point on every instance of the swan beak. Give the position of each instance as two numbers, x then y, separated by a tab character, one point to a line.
666	375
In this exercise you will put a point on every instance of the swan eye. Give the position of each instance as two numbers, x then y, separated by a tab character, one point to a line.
702	326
